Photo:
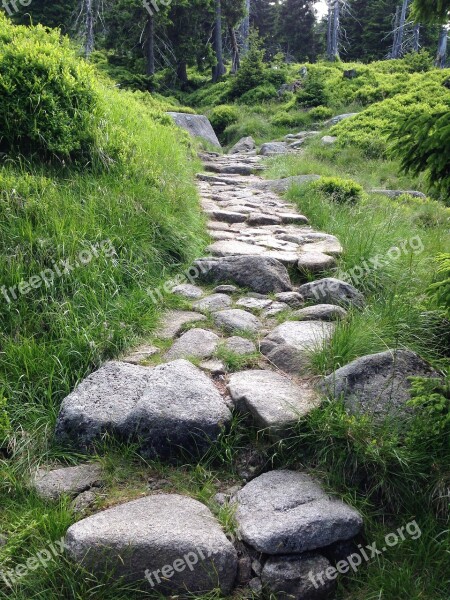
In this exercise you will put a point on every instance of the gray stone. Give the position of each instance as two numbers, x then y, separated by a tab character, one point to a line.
235	320
294	299
293	218
83	502
213	303
213	366
332	291
173	322
295	577
338	118
222	235
285	258
286	512
328	140
161	531
320	312
255	586
271	148
287	358
274	309
378	384
137	356
327	246
240	345
225	289
263	219
226	216
254	303
197	126
195	343
397	193
171	407
273	400
69	481
234	248
315	262
260	274
187	290
282	185
303	336
232	168
244	145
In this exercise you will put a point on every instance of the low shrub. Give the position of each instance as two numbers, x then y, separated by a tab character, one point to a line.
439	291
285	119
313	92
222	116
320	113
338	189
261	93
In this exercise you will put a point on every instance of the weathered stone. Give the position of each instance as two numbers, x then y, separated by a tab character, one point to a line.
274	309
240	345
260	274
378	384
243	146
263	219
83	502
332	291
273	400
213	366
69	481
137	356
197	126
320	312
195	343
213	303
234	248
287	358
233	168
271	148
303	336
294	299
187	290
327	246
285	258
254	303
338	118
328	140
226	216
225	289
293	218
244	570
298	577
315	262
397	193
286	512
235	320
173	322
165	537
171	407
222	235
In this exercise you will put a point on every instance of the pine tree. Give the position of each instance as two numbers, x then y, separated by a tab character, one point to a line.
296	29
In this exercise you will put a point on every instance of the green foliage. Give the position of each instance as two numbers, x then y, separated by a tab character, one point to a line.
261	93
339	190
4	420
431	11
320	113
439	291
221	116
430	397
293	119
49	102
313	92
252	71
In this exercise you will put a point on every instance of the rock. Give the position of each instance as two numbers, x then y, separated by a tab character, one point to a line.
83	502
338	118
225	289
297	144
320	312
303	336
244	145
140	354
315	262
244	573
397	193
350	73
298	577
227	216
195	343
171	407
254	303
293	299
240	345
186	290
332	291
328	140
222	235
213	303
273	400
271	148
197	126
173	322
234	248
70	481
285	258
167	541
282	185
293	218
233	168
288	359
274	309
255	586
235	320
260	274
286	512
326	246
263	219
378	384
213	366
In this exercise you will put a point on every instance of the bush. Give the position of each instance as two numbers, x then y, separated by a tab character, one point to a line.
285	119
252	72
4	420
262	93
222	116
313	92
440	290
339	190
320	113
276	77
49	103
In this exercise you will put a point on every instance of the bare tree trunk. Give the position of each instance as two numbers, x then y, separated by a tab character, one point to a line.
398	39
441	57
329	31
89	25
219	69
235	60
150	45
182	72
245	28
335	32
416	38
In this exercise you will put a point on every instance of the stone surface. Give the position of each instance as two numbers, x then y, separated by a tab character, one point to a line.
171	407
328	140
244	145
225	289
69	481
173	322
240	345
235	320
320	312
286	512
315	262
197	126
227	216
213	366
187	290
83	502
378	384
195	343
137	356
397	193
263	219
213	303
338	118
174	534
293	218
271	148
273	400
332	291
294	577
287	358
294	299
327	246
234	248
254	303
260	274
303	336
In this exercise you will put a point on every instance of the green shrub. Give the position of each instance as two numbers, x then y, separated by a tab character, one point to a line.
4	420
313	91
339	190
252	72
222	116
49	103
261	93
285	119
276	77
440	290
320	113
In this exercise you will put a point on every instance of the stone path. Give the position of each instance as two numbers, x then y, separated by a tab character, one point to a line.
245	301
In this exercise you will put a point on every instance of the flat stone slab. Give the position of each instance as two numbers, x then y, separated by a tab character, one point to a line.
187	290
320	312
293	299
304	336
171	407
137	356
235	320
213	303
227	216
260	274
233	248
167	542
293	218
240	345
225	289
315	262
195	343
197	126
70	481
274	148
378	384
254	303
173	322
286	512
273	400
262	219
332	291
327	246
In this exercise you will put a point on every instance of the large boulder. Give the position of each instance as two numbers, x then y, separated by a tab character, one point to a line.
286	512
171	407
332	291
197	126
377	384
243	146
260	274
167	542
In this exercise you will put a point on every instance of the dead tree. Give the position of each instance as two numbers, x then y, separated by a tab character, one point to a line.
441	57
